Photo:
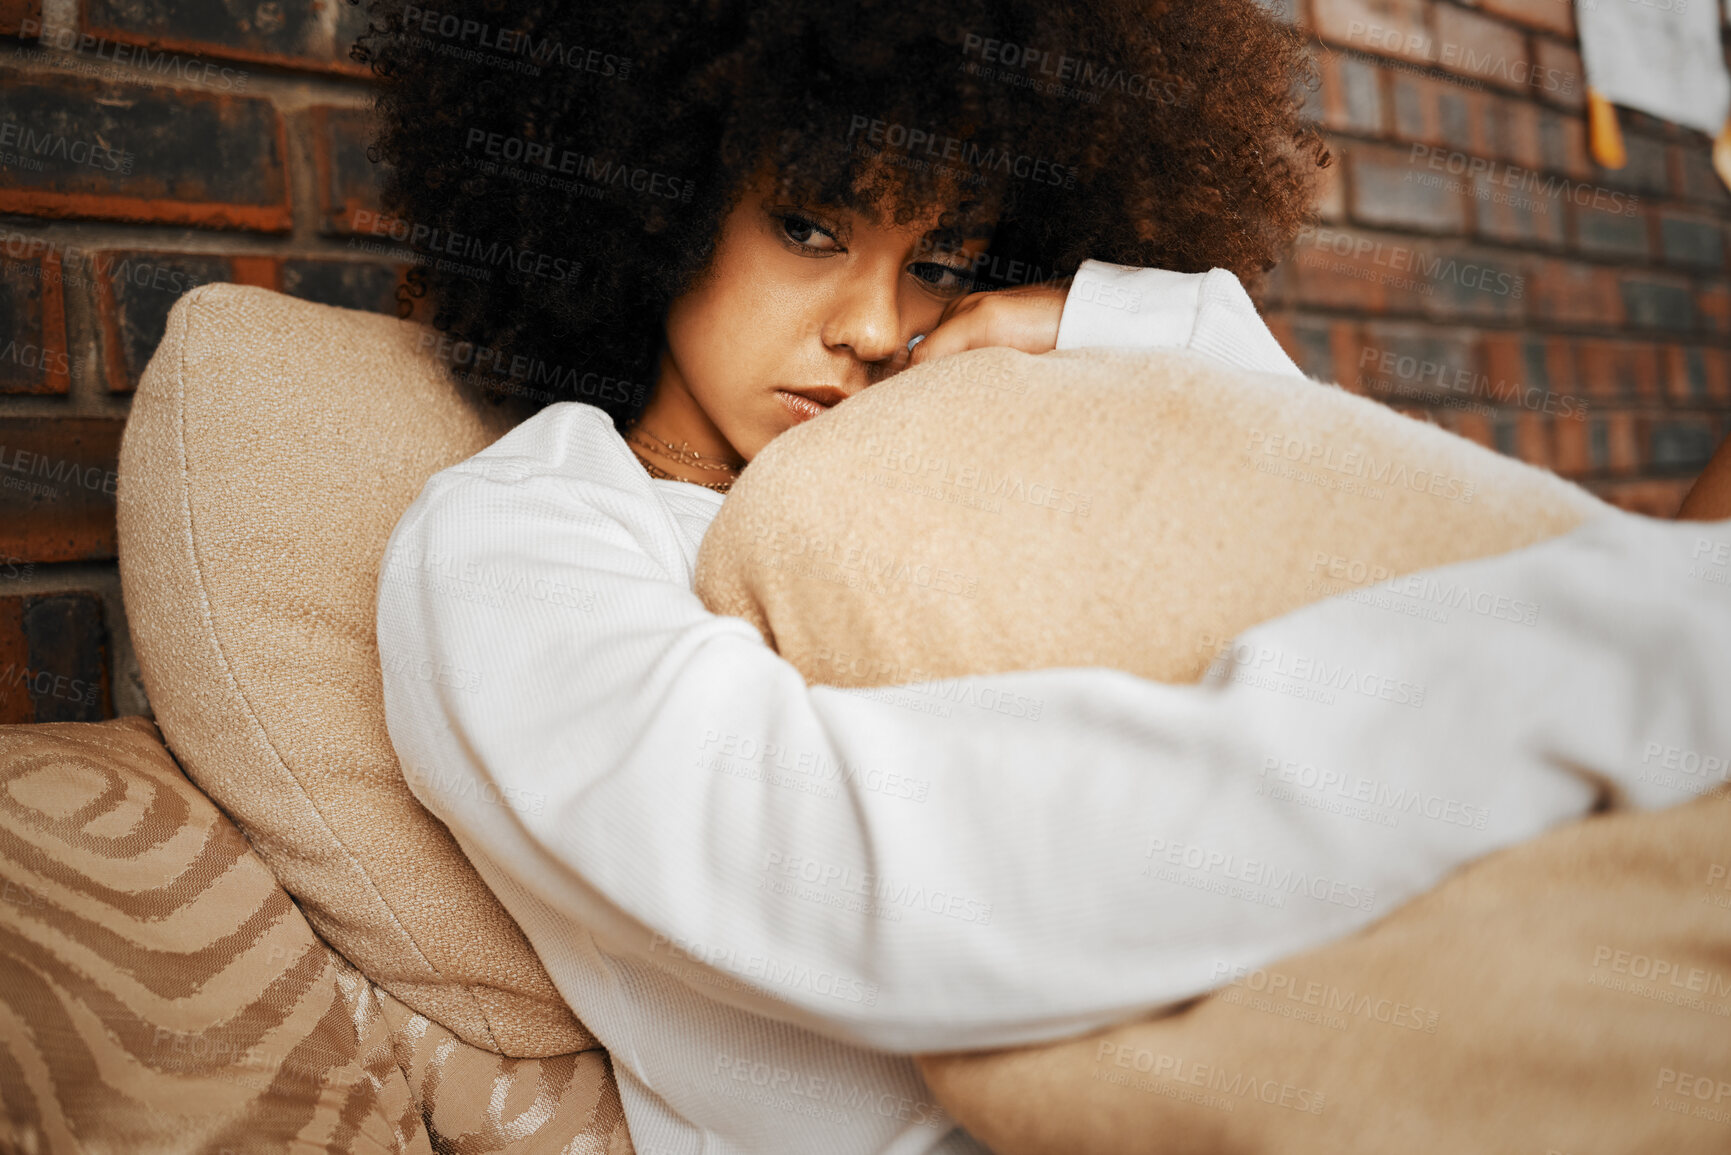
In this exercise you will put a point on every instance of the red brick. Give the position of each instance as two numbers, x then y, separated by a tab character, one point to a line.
1346	346
1330	201
1713	307
347	180
1309	342
1533	439
1454	116
1657	301
1431	111
1620	371
1527	370
1350	96
1625	450
1692	239
300	36
1384	27
1563	143
135	289
1390	188
1279	324
1478	283
345	284
1472	425
1510	128
148	154
1572	455
1685	375
16	705
1410	364
1566	293
1692	165
1621	235
1483	128
1347	269
1505	213
1648	171
1718	365
33	353
1557	74
53	658
1677	442
57	483
1552	15
1270	292
20	18
1482	48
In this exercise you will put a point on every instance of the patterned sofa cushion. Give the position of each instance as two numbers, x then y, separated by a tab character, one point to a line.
271	446
160	994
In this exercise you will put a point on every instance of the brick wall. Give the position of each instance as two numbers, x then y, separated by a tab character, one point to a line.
145	148
1476	268
1472	266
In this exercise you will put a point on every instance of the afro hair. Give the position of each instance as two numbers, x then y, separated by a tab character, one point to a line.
561	170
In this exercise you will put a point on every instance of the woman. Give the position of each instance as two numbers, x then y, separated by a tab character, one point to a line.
763	209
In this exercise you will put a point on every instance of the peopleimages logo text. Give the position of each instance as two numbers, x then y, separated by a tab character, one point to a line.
465	245
968	153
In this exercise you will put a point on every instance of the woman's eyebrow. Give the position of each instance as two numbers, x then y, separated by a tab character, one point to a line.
948	240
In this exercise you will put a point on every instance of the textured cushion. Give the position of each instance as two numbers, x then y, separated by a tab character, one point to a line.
998	511
938	525
160	993
272	445
1570	995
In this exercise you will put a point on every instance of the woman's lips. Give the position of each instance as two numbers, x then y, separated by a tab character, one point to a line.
802	407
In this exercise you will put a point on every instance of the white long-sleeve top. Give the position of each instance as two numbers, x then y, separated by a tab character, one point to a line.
763	897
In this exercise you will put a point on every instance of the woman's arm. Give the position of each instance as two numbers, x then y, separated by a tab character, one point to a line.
1066	849
1710	497
1115	305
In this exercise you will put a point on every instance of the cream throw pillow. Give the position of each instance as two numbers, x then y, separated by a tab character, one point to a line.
997	511
272	446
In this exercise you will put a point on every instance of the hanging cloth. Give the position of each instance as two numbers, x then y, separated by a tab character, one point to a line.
1661	57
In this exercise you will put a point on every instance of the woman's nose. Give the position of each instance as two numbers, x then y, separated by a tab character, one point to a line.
867	318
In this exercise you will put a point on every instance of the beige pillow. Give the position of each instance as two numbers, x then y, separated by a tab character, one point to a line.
160	993
272	445
1567	996
996	511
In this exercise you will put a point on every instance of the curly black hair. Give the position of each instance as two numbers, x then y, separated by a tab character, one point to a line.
561	170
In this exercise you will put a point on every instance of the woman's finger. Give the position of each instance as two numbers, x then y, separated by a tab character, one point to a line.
956	335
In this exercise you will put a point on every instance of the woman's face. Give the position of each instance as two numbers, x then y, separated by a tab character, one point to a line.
802	307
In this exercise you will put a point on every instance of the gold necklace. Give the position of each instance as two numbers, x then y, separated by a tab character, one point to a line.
685	455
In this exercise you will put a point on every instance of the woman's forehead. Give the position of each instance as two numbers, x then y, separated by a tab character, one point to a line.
877	197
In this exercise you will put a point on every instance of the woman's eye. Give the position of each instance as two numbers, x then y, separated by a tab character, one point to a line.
802	231
944	278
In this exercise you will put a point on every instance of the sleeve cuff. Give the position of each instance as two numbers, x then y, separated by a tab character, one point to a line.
1127	307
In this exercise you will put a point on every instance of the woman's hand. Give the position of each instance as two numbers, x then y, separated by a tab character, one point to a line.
1025	318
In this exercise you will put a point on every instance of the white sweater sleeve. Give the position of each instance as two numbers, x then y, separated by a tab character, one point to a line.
1087	845
1158	309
